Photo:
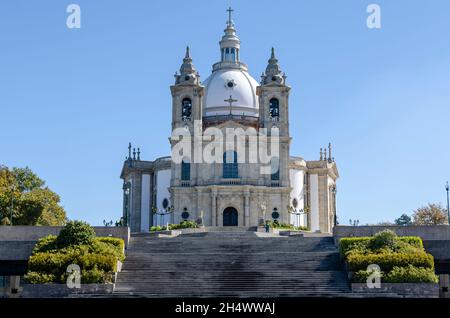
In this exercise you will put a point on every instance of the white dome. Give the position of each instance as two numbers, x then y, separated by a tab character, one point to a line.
227	82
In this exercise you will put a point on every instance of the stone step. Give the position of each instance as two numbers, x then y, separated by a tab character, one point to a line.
231	263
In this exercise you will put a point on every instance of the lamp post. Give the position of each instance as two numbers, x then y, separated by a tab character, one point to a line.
334	191
447	188
126	204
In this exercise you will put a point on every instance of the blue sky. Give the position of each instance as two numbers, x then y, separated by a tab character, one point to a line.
72	99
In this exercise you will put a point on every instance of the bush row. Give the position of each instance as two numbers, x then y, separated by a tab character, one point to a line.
96	256
346	244
186	224
387	261
408	274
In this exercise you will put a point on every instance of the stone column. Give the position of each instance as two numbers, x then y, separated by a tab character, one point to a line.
214	208
247	208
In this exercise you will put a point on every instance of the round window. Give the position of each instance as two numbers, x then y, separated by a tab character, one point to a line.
185	215
165	203
230	84
275	215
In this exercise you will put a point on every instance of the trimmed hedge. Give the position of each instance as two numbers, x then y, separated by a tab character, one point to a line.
401	259
348	243
408	274
114	241
40	278
411	274
387	261
97	259
186	224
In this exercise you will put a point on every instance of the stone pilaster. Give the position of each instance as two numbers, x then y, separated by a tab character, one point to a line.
247	208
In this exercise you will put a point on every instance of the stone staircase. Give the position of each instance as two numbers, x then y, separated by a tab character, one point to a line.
231	264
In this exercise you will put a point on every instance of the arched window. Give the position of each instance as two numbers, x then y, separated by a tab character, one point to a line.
274	108
233	55
186	109
275	169
230	164
185	170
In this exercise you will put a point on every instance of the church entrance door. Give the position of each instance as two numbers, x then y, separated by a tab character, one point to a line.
230	217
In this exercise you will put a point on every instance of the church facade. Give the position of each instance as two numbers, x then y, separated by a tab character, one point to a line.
231	190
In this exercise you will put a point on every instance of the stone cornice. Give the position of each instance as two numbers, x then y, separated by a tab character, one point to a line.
140	166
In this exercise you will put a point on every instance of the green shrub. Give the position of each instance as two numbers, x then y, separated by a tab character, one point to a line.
363	245
275	224
99	258
45	244
362	275
39	278
106	263
49	263
185	224
413	241
109	245
94	276
387	261
75	233
383	240
117	242
348	243
411	274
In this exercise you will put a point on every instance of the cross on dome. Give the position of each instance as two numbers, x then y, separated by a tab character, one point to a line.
230	101
230	22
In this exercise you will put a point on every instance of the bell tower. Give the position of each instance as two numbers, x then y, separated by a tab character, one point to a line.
186	95
273	96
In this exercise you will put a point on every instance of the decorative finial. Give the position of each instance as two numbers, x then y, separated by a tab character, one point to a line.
272	55
134	153
139	154
129	150
321	154
329	152
188	54
325	154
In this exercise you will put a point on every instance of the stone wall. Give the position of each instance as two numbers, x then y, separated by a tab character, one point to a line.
427	233
426	290
61	290
34	233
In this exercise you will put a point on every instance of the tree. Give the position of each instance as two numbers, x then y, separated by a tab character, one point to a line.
33	203
433	214
403	220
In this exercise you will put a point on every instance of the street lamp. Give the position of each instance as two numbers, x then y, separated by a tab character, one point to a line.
126	204
447	188
334	191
